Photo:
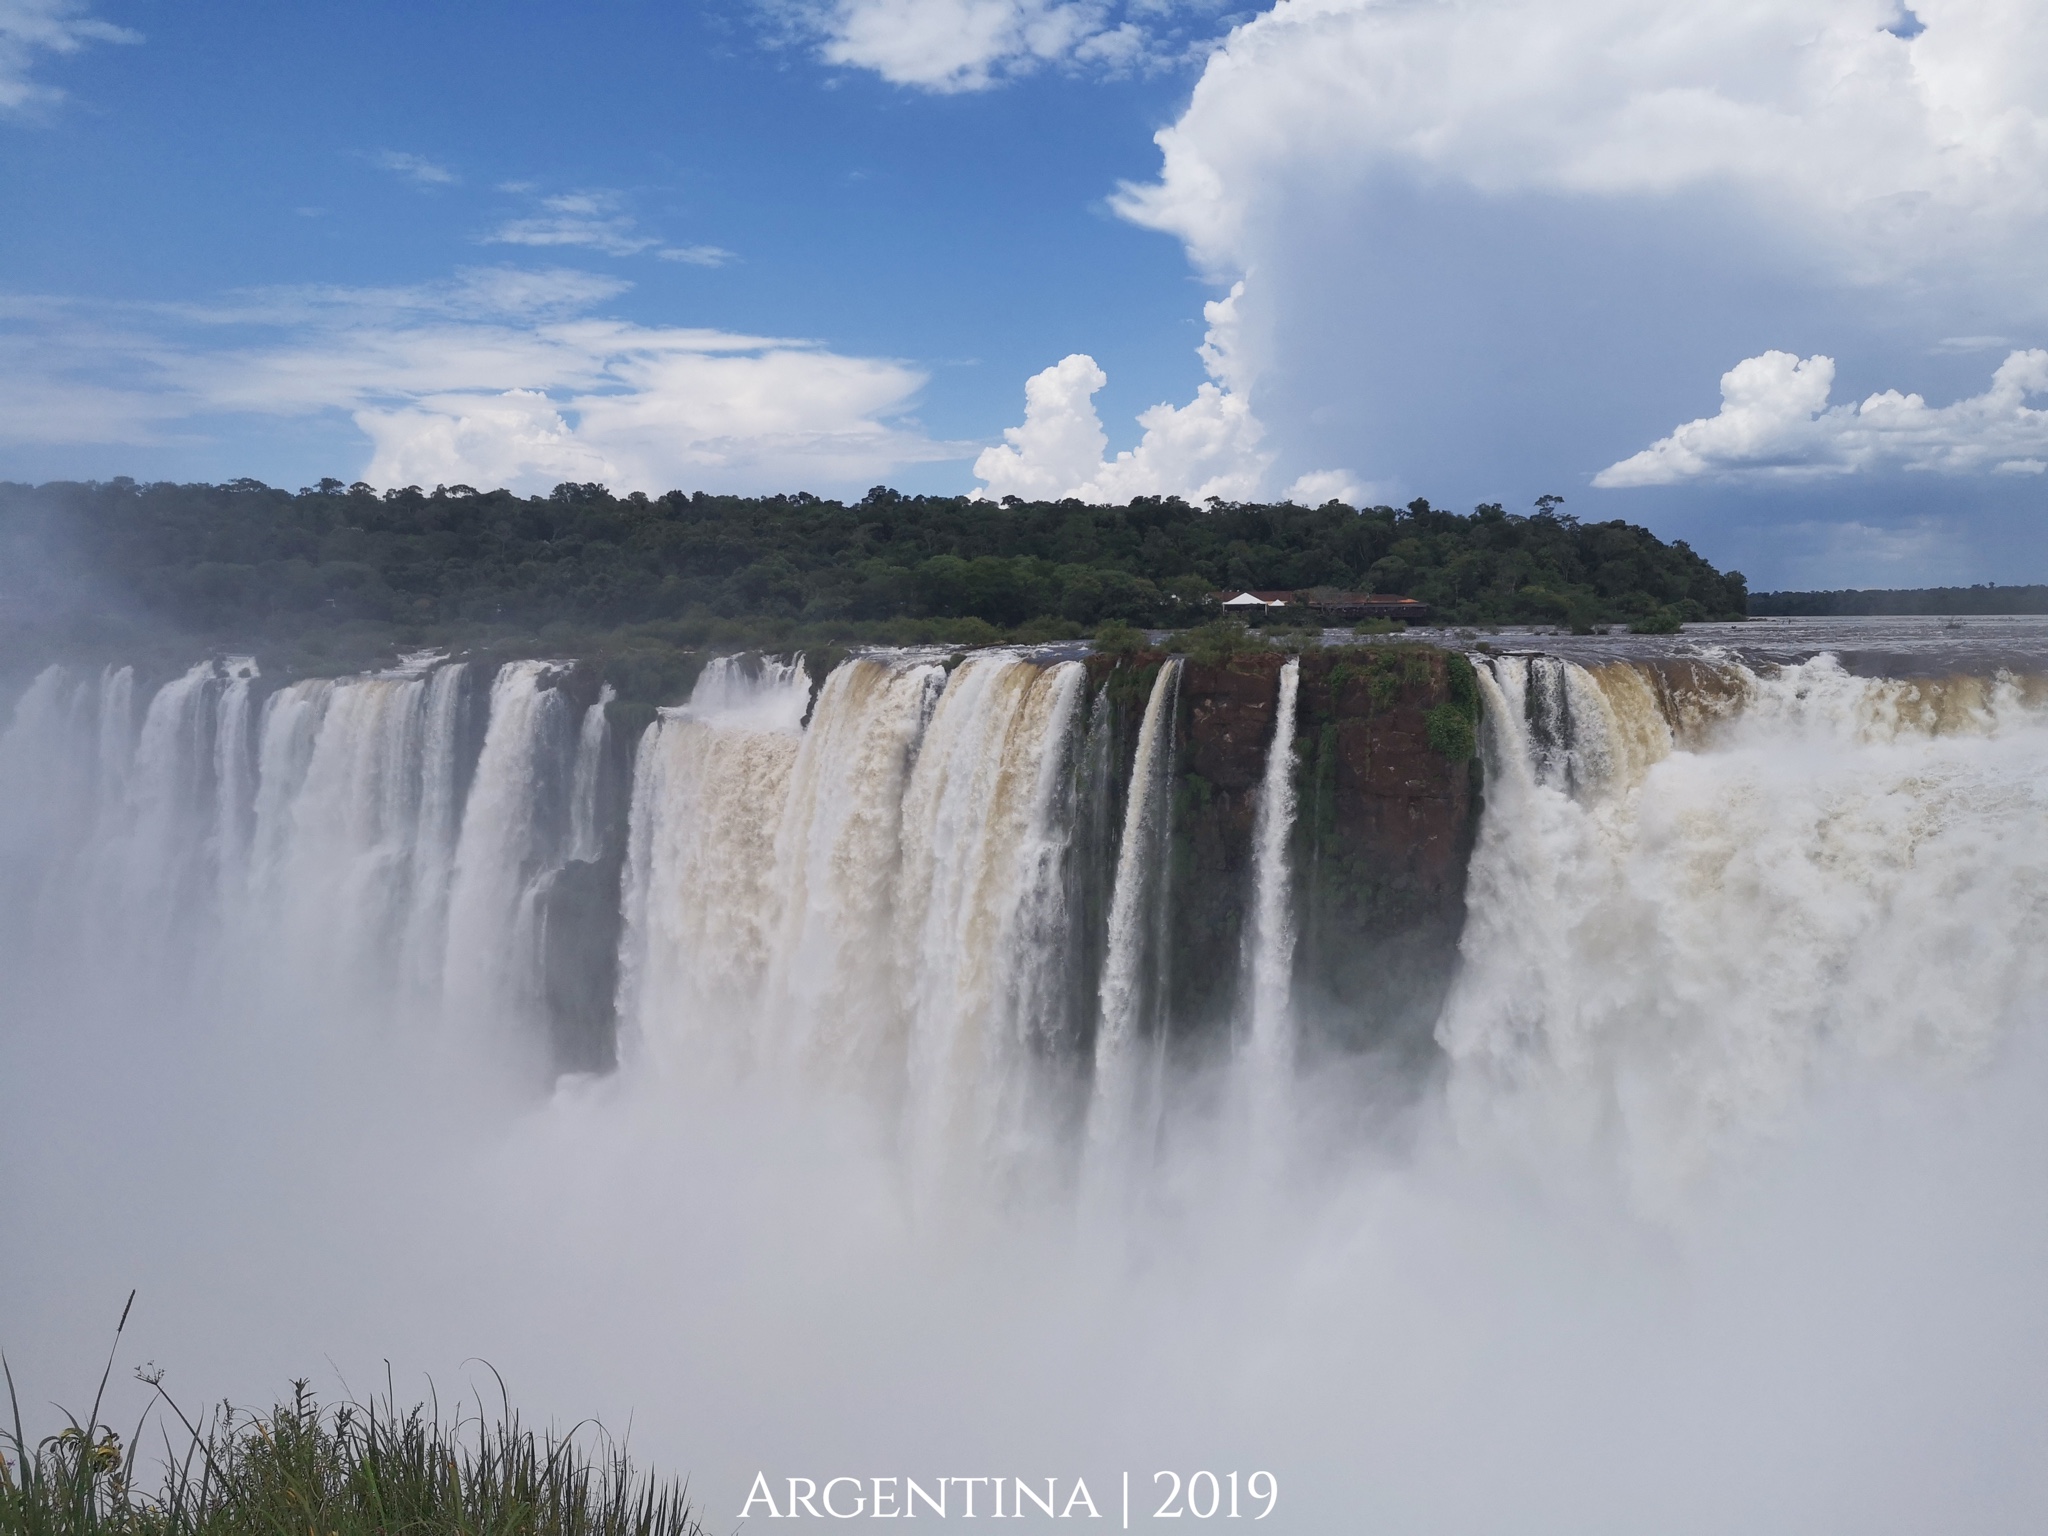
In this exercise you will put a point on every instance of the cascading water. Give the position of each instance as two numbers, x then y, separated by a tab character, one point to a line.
168	794
115	753
1664	946
1269	1029
440	819
979	901
515	828
586	837
302	842
891	984
895	888
832	1006
709	783
234	772
876	901
1129	990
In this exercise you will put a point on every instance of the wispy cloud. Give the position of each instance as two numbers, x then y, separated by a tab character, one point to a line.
32	28
596	220
970	45
498	376
591	221
416	168
698	255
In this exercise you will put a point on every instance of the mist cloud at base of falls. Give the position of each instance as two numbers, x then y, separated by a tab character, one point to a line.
1732	975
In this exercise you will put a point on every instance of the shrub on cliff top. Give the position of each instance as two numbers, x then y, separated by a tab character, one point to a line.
1116	638
1214	643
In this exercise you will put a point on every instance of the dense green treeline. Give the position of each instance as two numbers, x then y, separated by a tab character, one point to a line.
248	560
1988	599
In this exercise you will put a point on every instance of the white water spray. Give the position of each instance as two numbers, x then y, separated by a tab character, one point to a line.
1665	947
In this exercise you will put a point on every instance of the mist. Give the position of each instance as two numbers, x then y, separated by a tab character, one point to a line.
1718	1210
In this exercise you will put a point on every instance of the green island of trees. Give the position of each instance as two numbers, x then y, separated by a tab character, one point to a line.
334	573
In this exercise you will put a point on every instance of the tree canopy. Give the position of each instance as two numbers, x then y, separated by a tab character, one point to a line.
244	559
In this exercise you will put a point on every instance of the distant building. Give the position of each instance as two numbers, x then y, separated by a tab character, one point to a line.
1327	606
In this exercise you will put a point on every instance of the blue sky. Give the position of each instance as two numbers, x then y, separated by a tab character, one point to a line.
1768	277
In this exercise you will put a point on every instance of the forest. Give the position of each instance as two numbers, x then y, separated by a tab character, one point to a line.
243	561
1987	598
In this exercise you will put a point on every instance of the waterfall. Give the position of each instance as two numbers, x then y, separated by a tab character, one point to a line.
710	787
945	894
762	692
1127	990
439	823
586	841
1269	1038
834	1007
353	828
116	738
47	756
234	772
168	795
1663	946
979	877
284	752
701	922
874	901
300	856
490	979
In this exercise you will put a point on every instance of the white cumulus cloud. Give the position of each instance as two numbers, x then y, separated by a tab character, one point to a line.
1775	422
1447	212
1209	447
1321	485
29	28
1887	152
499	377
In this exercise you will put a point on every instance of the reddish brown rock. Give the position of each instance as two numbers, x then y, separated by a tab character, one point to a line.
1384	827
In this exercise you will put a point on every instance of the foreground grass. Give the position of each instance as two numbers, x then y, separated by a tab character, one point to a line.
304	1469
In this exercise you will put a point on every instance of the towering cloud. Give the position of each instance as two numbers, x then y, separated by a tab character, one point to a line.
1883	140
1209	447
1484	241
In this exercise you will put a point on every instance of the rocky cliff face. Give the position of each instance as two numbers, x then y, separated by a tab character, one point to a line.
1388	802
1389	806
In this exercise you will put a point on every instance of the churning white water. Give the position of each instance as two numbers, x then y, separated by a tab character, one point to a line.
1718	1210
1666	945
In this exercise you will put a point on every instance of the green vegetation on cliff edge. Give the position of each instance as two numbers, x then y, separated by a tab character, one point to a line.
334	573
